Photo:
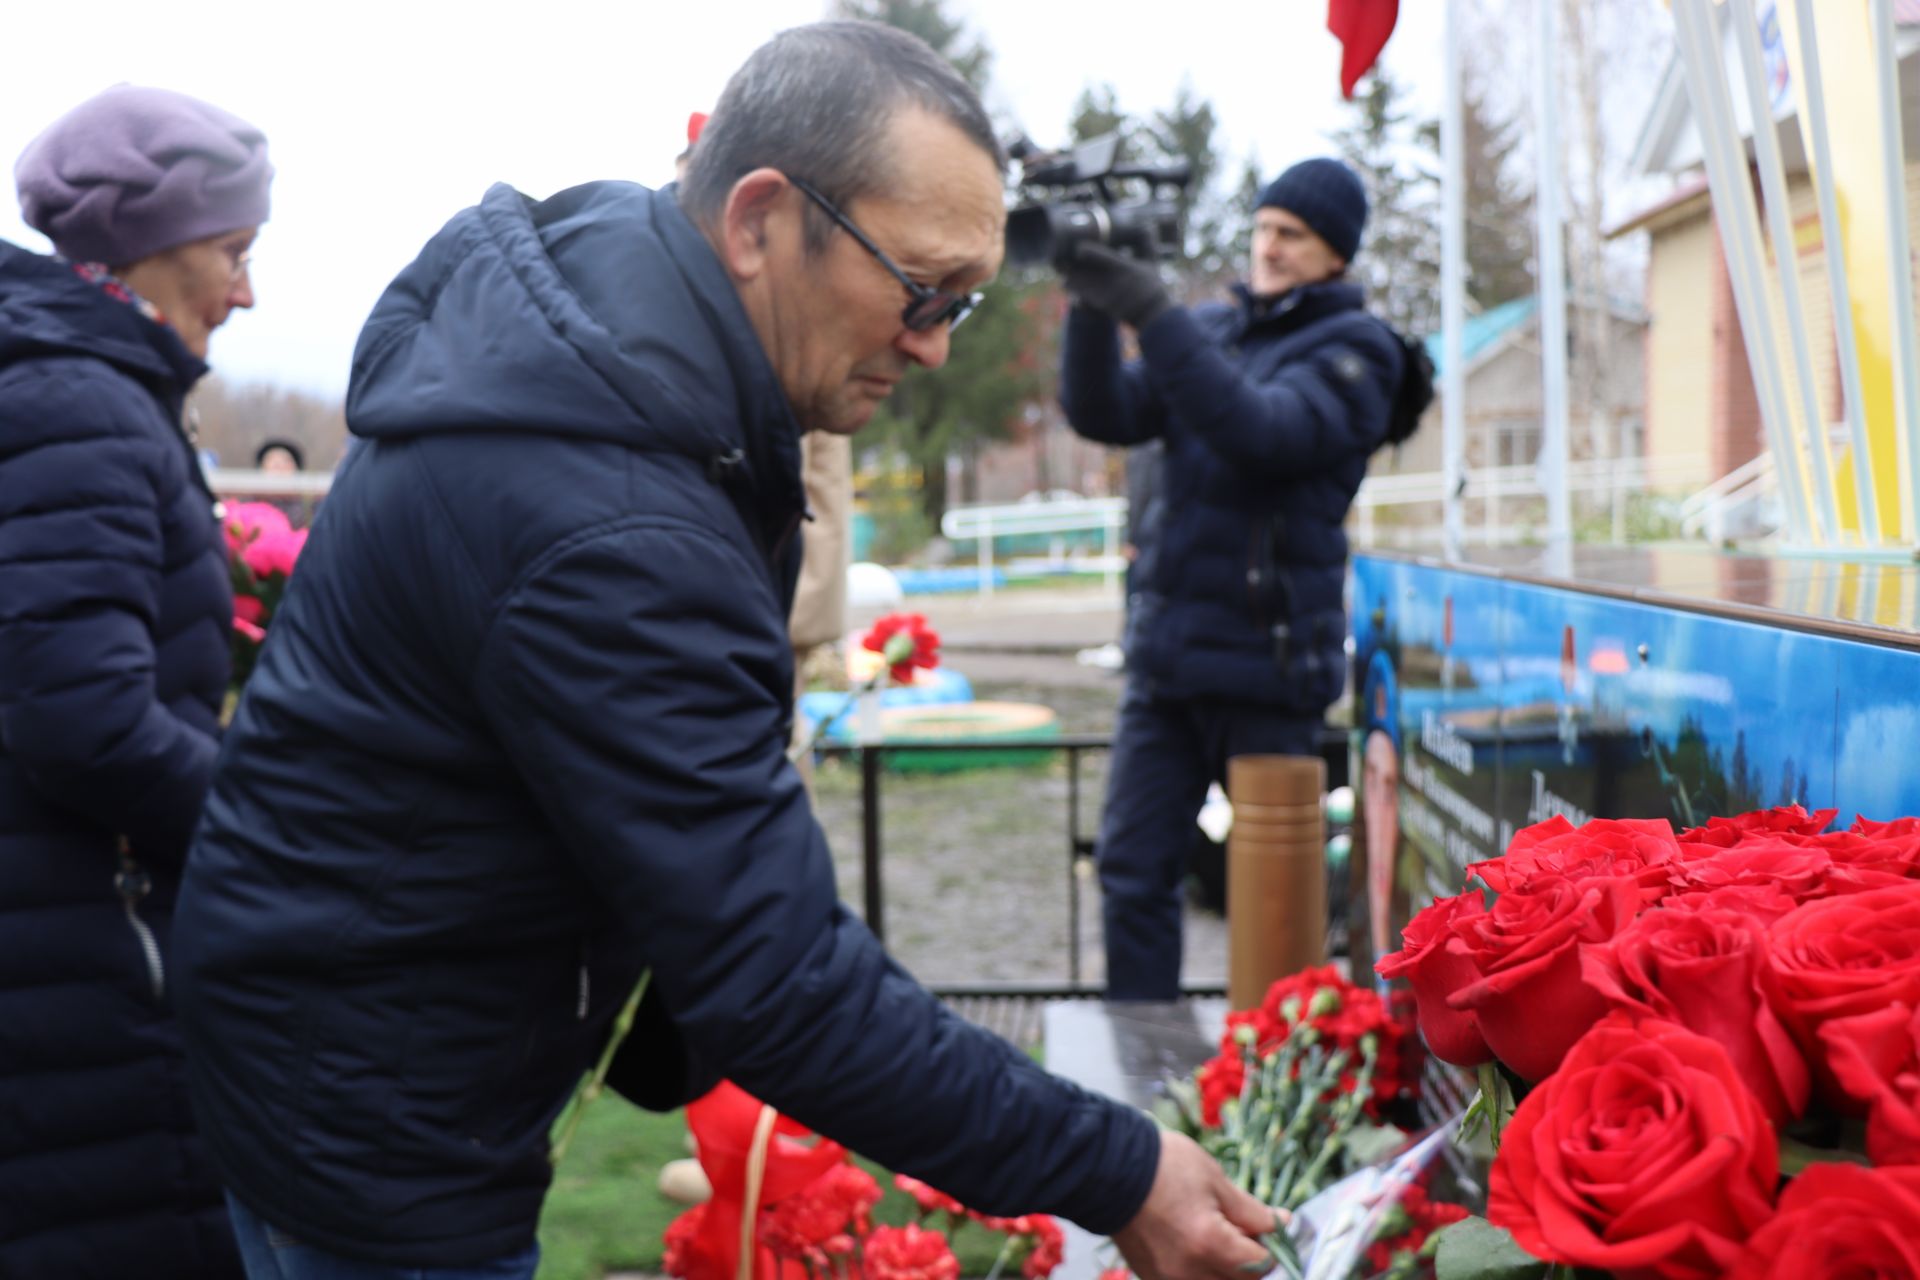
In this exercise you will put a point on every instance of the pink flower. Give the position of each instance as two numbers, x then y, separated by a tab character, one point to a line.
246	521
274	551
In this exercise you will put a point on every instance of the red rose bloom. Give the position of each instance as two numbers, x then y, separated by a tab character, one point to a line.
1870	859
1434	961
1797	870
1839	1220
1875	1059
908	1253
1839	958
1701	970
1763	902
1785	820
1531	1003
1604	849
1644	1156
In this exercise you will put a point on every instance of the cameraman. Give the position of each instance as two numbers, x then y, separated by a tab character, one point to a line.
1269	407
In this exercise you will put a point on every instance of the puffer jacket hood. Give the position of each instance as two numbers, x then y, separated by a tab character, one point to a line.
567	317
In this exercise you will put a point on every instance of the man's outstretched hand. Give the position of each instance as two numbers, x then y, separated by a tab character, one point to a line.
1114	284
1195	1224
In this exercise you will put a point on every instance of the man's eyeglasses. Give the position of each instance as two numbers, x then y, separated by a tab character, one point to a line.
928	307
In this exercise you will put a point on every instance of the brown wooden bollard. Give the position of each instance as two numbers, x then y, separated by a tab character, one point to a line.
1276	872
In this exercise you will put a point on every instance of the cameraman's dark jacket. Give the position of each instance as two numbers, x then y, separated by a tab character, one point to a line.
518	730
1268	419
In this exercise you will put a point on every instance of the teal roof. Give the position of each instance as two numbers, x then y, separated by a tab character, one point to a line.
1482	331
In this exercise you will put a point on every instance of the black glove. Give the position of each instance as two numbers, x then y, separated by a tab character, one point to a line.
1116	285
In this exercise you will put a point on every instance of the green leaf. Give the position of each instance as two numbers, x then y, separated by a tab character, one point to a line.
1371	1144
1475	1249
1795	1156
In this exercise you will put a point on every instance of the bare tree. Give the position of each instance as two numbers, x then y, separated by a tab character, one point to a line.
236	419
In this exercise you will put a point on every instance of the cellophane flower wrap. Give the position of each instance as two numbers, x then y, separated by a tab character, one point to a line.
1713	1033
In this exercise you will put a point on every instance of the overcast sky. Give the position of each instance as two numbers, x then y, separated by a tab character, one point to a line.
385	119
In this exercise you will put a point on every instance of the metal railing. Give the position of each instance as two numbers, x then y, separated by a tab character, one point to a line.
982	524
1079	847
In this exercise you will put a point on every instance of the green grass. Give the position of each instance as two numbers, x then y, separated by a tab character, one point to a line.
605	1212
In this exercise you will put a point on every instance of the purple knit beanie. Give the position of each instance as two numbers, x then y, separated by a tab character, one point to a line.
132	171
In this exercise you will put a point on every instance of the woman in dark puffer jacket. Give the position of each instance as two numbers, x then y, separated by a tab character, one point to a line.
115	617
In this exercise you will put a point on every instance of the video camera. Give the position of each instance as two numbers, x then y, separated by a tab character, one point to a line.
1073	197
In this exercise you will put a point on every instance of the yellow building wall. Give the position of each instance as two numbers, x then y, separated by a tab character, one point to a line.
1680	339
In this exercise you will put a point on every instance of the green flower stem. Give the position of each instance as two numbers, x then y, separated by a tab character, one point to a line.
595	1084
1000	1260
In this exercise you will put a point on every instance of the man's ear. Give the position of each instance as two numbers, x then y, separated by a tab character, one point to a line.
747	222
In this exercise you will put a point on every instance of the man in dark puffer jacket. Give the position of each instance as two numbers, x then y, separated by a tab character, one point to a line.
1269	407
115	625
520	728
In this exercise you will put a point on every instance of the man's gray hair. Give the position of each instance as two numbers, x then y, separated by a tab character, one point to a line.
815	103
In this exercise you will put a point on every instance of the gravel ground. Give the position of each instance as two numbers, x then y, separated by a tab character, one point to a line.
976	863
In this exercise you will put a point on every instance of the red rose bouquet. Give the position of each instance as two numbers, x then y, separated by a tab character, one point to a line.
1697	1014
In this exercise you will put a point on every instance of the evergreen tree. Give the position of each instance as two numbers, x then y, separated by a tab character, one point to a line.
927	19
992	372
1096	112
1499	202
1399	259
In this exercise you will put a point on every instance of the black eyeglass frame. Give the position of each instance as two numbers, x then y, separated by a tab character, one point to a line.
927	307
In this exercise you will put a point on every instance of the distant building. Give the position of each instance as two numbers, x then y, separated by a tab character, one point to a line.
1700	390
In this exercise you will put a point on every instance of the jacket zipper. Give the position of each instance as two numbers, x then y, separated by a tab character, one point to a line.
133	883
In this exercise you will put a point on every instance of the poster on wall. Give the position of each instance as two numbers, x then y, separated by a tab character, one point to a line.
1484	704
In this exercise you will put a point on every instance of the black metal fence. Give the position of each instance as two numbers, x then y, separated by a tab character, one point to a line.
1078	845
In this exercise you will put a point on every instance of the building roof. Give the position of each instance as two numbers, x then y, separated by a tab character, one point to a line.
1485	333
1669	142
1481	332
1685	200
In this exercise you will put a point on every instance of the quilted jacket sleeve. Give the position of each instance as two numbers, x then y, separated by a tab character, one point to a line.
1106	398
1314	412
637	676
81	569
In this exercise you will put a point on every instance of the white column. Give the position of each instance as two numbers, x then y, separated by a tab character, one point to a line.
1821	145
1906	372
1453	289
1786	443
1551	257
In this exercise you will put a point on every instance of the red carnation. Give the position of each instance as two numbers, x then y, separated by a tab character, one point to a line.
909	1253
929	1200
905	641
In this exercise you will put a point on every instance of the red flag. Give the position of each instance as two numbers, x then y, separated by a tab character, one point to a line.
1362	28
